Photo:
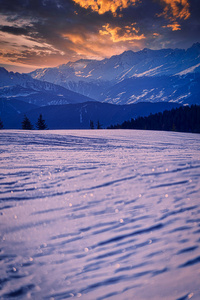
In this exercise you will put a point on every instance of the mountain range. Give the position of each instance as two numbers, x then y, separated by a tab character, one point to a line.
24	88
166	77
21	94
153	75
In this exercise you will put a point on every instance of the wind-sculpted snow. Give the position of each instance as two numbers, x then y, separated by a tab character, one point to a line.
100	215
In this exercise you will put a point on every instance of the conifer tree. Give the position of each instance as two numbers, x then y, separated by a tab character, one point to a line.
41	125
1	124
182	119
91	124
99	126
26	124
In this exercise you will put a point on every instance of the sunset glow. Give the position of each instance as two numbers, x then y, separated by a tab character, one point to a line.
175	26
118	34
103	6
50	33
176	9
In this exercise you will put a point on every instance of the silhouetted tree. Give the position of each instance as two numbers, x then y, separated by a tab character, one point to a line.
99	126
26	124
41	125
1	124
183	119
91	124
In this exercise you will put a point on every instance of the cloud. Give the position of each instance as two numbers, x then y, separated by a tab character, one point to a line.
103	6
106	42
175	26
176	9
27	50
14	30
121	34
52	32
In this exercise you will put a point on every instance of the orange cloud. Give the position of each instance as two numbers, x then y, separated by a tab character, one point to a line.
175	26
175	9
117	34
155	34
22	50
74	38
107	42
103	6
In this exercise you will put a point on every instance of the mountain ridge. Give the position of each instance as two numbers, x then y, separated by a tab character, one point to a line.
94	78
25	88
126	57
78	116
169	75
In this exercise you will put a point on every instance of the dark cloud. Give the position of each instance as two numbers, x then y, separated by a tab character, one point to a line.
14	30
55	31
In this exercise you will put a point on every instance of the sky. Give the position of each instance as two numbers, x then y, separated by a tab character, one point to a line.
47	33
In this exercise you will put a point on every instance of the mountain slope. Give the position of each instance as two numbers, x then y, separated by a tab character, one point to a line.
78	116
96	79
142	63
182	119
13	108
180	89
37	92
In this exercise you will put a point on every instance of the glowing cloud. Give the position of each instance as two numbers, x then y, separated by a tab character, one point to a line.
103	6
24	50
176	9
117	34
50	33
106	42
175	26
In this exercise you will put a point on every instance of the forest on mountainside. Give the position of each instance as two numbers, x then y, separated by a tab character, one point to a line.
183	119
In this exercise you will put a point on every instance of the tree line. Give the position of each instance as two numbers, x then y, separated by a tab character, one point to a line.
41	124
183	119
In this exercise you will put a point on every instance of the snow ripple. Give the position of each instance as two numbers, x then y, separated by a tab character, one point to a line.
99	214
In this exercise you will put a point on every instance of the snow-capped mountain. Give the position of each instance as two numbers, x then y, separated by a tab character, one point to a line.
24	88
93	78
146	62
177	89
147	75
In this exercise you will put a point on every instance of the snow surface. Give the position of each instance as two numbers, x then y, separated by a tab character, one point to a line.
100	214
